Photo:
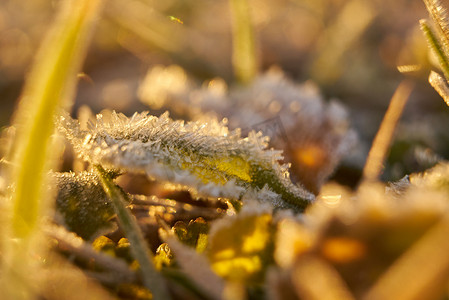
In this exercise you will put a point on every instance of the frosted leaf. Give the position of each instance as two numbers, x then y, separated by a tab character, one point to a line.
82	203
314	134
205	157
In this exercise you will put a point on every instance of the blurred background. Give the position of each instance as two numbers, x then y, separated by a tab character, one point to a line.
350	48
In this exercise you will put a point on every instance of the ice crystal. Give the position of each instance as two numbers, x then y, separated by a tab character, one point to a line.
205	157
313	134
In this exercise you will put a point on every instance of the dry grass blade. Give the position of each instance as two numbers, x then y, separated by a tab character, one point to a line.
384	136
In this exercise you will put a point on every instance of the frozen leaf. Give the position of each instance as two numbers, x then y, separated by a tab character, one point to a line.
314	135
205	157
81	201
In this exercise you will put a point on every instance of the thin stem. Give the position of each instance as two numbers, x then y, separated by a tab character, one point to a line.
151	278
384	136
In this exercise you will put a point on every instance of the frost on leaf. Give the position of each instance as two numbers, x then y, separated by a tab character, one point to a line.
314	134
82	203
203	156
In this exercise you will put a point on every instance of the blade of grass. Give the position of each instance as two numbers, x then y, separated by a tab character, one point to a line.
244	52
439	17
384	136
152	279
50	85
435	46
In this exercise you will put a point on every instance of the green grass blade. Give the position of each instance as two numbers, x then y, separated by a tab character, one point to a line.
152	279
244	52
439	17
435	46
50	85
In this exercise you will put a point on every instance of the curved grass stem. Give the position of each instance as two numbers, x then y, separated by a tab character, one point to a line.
151	278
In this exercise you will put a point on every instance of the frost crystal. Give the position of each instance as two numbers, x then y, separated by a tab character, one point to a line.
205	157
313	134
